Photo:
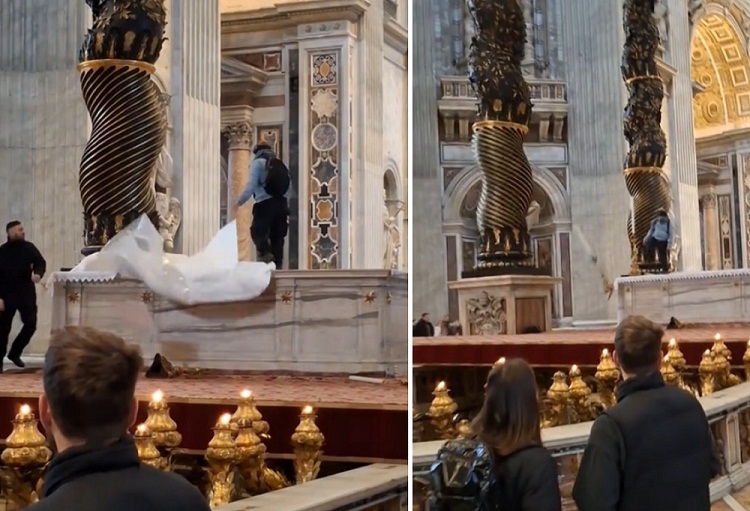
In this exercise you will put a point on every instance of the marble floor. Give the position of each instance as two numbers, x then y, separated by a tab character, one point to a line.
739	501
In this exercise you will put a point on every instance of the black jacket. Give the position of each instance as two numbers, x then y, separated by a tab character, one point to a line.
423	328
652	451
18	260
112	478
527	481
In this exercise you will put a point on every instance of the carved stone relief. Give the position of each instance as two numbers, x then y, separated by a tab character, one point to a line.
487	315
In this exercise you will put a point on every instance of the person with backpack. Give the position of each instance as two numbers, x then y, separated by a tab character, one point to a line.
659	239
268	184
503	466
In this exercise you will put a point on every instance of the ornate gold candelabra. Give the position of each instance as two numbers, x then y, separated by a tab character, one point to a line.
247	410
222	456
722	365
504	108
24	458
707	372
675	356
645	179
147	451
558	395
128	124
607	375
669	373
162	427
307	440
441	412
580	395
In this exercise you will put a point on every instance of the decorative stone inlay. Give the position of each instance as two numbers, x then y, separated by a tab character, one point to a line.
147	297
286	297
74	297
370	297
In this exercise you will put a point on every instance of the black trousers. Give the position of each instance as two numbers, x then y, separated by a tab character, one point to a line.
23	302
269	228
660	249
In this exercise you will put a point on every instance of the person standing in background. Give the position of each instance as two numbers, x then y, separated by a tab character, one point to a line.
423	327
21	268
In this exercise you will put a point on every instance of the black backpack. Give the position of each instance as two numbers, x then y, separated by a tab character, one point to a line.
463	478
277	178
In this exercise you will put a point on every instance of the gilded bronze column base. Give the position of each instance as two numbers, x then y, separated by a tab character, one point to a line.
102	227
504	251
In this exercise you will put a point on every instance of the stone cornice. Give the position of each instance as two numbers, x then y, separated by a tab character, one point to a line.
290	15
396	36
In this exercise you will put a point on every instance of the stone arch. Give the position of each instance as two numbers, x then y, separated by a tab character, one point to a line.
468	177
721	66
392	185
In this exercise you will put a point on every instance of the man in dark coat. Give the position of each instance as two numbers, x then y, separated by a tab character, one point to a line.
21	268
653	449
423	327
87	408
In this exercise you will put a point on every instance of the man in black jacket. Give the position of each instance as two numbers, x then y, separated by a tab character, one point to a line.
653	449
423	327
21	268
87	407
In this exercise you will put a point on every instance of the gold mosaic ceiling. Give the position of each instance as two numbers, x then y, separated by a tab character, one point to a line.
720	65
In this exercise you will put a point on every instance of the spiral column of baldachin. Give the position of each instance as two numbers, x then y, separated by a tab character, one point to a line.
128	133
504	107
645	178
129	128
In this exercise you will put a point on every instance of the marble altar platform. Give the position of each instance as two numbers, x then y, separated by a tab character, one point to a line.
691	297
322	321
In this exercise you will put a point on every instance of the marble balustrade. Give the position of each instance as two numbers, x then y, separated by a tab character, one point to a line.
322	321
728	412
702	297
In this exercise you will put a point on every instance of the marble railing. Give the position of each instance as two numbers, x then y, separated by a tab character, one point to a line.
376	487
728	412
542	91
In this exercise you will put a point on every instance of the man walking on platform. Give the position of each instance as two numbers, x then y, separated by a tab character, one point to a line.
268	184
21	268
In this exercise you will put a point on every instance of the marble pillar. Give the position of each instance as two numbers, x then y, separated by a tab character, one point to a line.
599	200
194	68
44	128
429	271
238	128
711	231
684	170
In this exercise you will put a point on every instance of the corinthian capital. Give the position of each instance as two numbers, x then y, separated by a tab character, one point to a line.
708	200
239	134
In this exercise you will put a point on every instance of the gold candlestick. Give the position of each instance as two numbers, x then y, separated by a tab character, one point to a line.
24	457
147	451
557	401
675	356
441	412
746	361
707	371
222	456
248	411
668	372
720	348
607	375
580	394
160	423
307	440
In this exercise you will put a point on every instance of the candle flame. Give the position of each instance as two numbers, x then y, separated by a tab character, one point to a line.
441	386
157	396
707	353
672	342
717	337
500	361
308	410
25	409
142	428
574	368
225	419
666	360
605	352
245	394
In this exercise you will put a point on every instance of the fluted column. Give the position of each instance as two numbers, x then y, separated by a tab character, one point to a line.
238	129
711	231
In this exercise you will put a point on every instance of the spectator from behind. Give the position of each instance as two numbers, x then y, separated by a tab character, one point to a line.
423	327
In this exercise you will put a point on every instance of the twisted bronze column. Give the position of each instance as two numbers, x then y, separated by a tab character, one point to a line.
647	183
128	126
504	107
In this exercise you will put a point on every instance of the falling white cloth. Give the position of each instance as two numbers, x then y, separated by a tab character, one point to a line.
214	275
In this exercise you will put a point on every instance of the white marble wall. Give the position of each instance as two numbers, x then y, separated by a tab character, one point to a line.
43	129
195	86
682	140
600	202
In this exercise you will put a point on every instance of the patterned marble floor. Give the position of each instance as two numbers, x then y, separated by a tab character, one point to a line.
270	390
739	501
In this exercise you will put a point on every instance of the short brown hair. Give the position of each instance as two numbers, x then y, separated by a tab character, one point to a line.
89	380
638	345
509	418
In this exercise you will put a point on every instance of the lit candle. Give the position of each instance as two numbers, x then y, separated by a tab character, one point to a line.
717	337
441	386
246	394
666	360
500	361
707	353
142	429
672	342
24	413
225	419
307	410
157	397
605	352
574	368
